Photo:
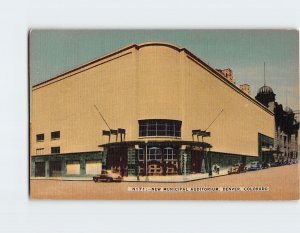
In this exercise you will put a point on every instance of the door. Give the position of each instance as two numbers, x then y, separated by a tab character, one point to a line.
117	160
197	158
39	169
55	168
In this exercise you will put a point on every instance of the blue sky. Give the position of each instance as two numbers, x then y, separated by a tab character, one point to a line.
244	51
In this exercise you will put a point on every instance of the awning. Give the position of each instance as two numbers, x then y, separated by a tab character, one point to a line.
203	145
272	151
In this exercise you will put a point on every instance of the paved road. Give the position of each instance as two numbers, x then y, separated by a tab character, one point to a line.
282	181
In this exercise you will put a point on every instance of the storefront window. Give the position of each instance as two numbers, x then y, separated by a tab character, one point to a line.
140	154
169	154
154	153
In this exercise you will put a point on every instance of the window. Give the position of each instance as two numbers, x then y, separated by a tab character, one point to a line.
140	154
169	154
55	135
39	151
154	153
40	137
73	167
159	127
93	167
55	150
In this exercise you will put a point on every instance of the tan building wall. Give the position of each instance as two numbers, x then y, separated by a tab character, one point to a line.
236	130
67	105
146	81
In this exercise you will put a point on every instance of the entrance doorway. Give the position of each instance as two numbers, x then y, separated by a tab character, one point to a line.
196	160
39	169
117	160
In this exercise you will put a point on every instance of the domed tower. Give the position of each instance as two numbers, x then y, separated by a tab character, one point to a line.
266	96
288	110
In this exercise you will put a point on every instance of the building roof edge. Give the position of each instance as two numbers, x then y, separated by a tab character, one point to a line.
145	44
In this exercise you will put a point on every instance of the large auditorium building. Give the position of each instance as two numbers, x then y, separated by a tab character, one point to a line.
146	109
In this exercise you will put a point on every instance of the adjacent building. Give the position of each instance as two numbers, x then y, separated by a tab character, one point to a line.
246	88
228	74
286	127
146	109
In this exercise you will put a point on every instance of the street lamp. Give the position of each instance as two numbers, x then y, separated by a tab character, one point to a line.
184	165
146	146
209	163
137	148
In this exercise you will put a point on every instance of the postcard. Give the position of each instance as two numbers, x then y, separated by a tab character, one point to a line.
164	114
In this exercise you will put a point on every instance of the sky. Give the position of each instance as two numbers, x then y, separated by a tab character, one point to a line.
244	51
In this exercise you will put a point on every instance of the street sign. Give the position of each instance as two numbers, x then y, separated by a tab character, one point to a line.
200	133
204	134
120	130
113	132
105	133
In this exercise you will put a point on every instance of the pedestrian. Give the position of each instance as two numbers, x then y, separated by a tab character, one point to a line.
218	169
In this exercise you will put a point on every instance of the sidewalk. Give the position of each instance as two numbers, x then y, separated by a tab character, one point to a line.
174	178
61	178
166	179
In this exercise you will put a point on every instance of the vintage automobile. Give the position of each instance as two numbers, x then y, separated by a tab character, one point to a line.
265	165
107	176
237	168
254	166
276	164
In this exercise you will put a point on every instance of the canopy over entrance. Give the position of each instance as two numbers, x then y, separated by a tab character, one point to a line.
202	145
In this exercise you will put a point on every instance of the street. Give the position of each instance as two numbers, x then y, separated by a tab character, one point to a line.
283	183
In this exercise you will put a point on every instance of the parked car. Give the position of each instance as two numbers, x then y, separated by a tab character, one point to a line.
286	162
237	168
276	164
265	165
254	166
106	176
